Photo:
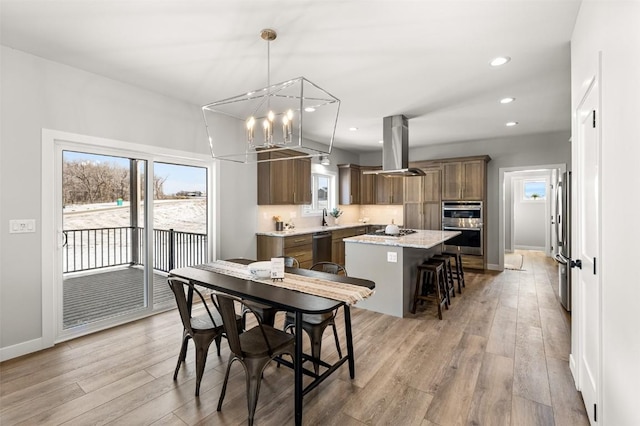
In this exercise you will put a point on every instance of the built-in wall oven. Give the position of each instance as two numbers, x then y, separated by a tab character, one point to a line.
466	217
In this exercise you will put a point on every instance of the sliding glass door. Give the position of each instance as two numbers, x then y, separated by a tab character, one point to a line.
179	222
104	244
124	222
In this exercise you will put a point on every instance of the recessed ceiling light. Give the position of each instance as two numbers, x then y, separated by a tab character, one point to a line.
507	100
353	129
500	60
309	109
511	123
380	141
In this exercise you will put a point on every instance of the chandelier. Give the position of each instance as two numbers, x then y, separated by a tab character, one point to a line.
295	116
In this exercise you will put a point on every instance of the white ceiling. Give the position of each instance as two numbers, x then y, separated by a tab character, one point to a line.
428	60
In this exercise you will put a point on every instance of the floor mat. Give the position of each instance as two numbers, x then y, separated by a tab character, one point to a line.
513	261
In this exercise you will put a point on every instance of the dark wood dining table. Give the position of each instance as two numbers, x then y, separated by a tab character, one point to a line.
288	300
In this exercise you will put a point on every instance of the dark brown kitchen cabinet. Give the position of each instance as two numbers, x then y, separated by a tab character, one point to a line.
463	180
337	245
389	189
367	185
302	181
349	182
284	181
422	216
422	200
298	246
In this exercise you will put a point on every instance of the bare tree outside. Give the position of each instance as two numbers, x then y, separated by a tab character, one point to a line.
87	182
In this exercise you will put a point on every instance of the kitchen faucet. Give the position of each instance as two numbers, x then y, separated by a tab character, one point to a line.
324	215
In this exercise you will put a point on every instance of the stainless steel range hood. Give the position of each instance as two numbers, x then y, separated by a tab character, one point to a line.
395	149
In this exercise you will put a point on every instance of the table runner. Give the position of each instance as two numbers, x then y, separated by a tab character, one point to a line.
348	293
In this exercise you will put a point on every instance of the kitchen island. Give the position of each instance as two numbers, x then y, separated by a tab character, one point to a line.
391	263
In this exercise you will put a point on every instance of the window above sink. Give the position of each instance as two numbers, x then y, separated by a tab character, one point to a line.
324	192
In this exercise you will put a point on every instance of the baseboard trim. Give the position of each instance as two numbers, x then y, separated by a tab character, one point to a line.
23	348
535	248
494	267
574	373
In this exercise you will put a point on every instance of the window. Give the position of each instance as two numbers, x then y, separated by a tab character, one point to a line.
322	194
534	190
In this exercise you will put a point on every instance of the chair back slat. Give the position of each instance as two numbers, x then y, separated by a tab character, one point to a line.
329	267
290	262
180	288
228	312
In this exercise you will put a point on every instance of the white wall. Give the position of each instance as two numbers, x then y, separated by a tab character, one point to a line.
612	28
528	150
38	94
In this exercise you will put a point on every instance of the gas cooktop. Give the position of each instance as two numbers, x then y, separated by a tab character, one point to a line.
402	233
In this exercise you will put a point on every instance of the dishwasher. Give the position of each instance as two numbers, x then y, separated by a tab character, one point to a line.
321	247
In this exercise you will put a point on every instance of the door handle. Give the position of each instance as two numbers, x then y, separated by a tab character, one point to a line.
573	263
560	258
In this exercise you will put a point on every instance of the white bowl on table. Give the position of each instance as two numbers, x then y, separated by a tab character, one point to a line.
260	269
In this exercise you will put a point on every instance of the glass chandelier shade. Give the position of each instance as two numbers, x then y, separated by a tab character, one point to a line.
293	115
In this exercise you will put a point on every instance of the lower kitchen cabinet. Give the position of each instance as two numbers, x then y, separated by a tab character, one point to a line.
298	246
337	246
301	246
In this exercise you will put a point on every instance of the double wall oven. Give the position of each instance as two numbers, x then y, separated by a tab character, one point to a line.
466	217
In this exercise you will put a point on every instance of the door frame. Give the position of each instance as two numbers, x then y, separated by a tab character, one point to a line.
53	142
501	206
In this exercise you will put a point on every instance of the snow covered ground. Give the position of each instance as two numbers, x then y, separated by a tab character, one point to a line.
187	215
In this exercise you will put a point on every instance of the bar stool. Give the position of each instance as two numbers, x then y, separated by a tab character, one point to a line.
448	272
459	272
430	277
446	285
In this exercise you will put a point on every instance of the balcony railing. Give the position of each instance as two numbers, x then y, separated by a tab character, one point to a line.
87	249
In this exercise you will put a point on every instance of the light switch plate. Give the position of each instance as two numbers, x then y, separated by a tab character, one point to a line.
392	257
21	226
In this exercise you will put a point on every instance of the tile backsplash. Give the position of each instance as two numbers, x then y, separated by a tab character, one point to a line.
352	214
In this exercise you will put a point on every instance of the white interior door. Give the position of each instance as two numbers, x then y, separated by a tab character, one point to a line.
587	248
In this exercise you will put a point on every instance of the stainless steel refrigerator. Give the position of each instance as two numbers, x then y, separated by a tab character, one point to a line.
563	235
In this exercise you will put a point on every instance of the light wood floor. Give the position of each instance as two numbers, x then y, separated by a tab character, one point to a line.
500	357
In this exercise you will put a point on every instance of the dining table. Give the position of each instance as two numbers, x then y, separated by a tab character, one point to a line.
285	299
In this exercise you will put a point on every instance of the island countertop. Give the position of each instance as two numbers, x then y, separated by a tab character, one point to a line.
421	239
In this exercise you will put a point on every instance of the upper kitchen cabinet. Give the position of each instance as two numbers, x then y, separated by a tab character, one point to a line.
389	190
284	181
422	200
464	180
349	178
423	189
368	185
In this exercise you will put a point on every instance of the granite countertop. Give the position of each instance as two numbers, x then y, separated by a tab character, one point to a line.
420	239
302	231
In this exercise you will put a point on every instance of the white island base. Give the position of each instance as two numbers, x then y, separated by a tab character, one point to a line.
391	264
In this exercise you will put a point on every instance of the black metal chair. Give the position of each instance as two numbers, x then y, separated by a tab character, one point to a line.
254	348
267	313
202	329
315	324
329	267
